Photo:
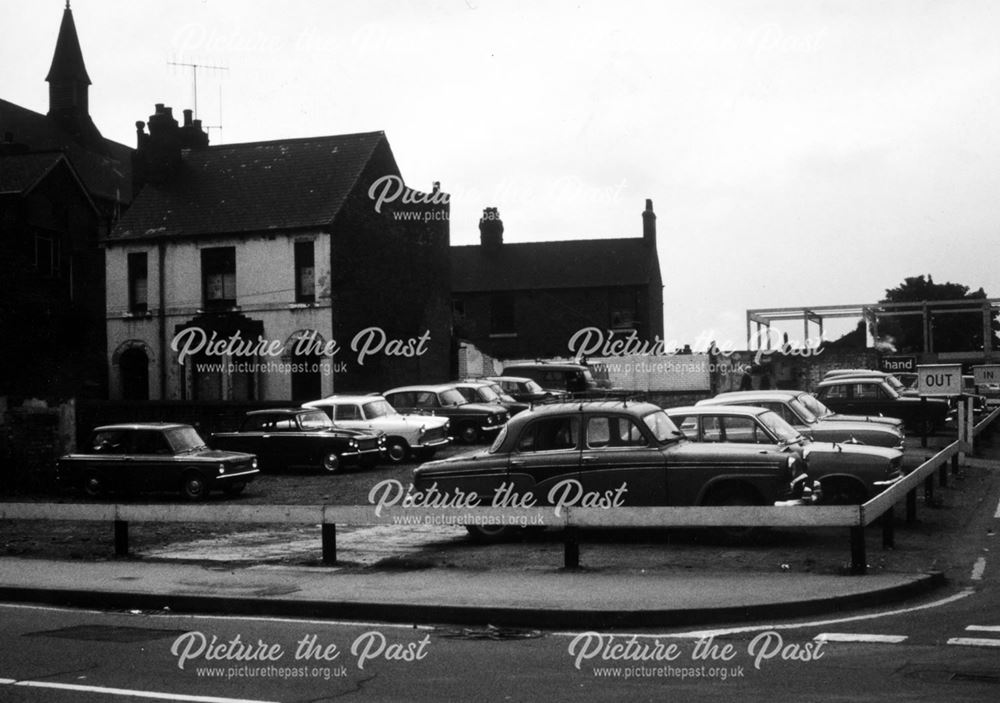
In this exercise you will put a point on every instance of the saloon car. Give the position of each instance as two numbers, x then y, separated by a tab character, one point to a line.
154	457
874	396
302	438
406	436
890	378
793	408
482	391
847	473
470	422
622	451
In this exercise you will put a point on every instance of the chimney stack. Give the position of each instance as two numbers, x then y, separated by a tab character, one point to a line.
649	223
491	229
158	153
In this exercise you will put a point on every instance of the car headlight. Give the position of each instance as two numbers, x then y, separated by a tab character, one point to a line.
352	443
222	468
253	464
489	419
423	429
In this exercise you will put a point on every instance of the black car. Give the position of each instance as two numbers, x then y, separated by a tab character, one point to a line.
483	391
154	457
526	390
874	396
302	438
471	422
630	451
568	377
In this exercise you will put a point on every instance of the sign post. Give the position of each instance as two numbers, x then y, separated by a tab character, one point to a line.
943	381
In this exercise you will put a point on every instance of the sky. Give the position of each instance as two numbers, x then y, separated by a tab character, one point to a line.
798	153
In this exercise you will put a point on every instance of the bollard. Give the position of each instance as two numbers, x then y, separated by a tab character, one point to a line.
943	475
859	559
954	464
571	548
911	507
923	425
329	539
888	529
929	491
121	538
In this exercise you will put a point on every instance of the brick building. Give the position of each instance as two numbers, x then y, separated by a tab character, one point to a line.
280	242
527	300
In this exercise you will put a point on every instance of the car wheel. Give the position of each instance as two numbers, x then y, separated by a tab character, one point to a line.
841	491
734	496
234	489
927	427
491	534
397	450
332	463
469	434
194	486
94	485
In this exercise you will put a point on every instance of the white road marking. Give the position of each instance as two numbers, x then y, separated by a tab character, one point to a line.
130	692
974	642
697	634
997	513
983	628
978	568
248	618
857	637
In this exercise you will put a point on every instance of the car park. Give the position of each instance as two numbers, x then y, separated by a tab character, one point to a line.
791	406
483	391
526	390
470	422
627	452
406	436
874	396
302	438
154	457
847	473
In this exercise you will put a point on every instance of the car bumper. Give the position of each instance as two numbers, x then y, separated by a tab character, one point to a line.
433	444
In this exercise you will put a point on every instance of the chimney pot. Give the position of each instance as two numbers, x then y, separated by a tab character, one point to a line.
649	223
187	117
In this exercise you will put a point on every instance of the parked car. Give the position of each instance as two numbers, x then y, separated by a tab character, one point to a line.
302	438
792	407
822	412
470	422
526	390
892	379
847	473
572	378
154	457
629	449
482	391
406	436
874	396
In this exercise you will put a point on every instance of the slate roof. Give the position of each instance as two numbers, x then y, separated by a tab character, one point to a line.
20	172
584	263
235	189
104	166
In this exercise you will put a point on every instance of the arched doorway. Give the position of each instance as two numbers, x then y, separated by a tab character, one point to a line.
133	367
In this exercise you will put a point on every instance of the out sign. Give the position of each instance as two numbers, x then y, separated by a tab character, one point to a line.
939	379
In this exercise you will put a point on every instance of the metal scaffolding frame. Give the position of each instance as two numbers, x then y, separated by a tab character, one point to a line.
870	312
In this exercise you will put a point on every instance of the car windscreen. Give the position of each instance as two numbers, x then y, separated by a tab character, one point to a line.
184	439
379	408
802	411
317	420
662	427
488	394
451	396
815	405
779	428
532	387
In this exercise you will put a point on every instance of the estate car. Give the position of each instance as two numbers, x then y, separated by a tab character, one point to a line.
154	457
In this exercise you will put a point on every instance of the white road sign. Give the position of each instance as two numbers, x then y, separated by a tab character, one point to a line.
939	379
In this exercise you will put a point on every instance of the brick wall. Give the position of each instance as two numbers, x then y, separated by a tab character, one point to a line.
34	437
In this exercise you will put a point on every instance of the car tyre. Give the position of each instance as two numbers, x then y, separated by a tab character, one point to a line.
194	487
397	450
469	434
332	463
492	534
94	485
841	491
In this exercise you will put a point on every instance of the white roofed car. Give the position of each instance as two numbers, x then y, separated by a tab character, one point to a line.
407	436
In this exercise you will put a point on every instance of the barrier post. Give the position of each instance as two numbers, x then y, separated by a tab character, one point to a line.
329	539
859	559
888	529
571	548
929	491
121	538
911	507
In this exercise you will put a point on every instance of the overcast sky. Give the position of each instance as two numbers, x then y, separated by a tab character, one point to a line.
797	153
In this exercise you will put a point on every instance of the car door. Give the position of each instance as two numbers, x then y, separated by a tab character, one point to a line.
109	458
285	445
151	463
546	452
617	453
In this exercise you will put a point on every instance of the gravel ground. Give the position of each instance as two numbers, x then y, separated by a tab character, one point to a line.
925	545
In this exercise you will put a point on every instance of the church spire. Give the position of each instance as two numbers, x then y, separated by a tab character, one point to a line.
68	80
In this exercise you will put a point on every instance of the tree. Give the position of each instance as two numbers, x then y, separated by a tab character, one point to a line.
950	331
